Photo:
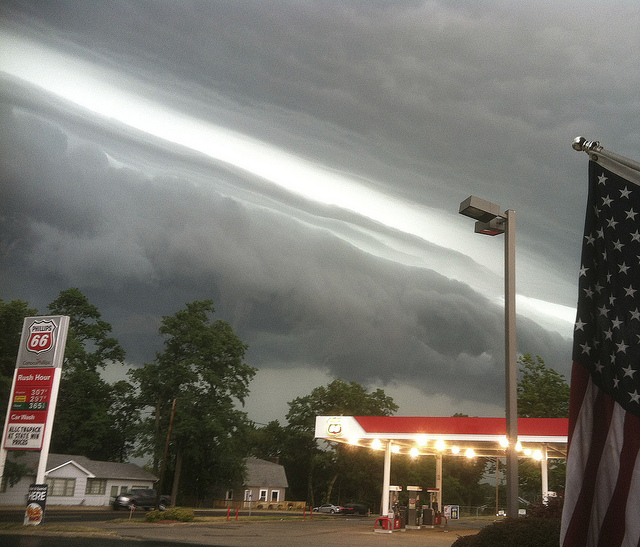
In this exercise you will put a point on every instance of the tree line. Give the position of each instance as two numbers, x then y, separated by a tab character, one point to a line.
193	389
201	368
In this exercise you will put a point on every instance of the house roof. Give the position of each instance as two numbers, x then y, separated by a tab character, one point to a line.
93	468
265	473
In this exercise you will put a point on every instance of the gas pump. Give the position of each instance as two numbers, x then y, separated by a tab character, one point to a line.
390	518
394	501
394	507
413	515
431	511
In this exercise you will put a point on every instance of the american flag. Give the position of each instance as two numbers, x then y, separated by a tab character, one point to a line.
602	496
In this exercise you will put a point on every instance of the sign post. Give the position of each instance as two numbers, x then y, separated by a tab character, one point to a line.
34	394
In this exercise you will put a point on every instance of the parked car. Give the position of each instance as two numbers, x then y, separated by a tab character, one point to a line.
355	509
144	498
328	508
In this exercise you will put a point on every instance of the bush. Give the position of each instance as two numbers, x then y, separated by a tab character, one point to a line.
174	513
154	516
521	532
465	541
552	510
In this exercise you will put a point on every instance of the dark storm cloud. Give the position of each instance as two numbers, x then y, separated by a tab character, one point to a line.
471	94
427	102
141	246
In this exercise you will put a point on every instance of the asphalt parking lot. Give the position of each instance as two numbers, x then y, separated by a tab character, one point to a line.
319	532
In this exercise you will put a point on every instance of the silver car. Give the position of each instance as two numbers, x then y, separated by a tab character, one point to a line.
328	508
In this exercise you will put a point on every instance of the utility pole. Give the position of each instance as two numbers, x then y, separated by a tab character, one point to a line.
164	458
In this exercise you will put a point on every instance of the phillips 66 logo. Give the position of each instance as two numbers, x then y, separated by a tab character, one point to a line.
41	336
334	426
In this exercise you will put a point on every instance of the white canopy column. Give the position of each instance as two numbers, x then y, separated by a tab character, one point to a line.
544	463
386	480
439	480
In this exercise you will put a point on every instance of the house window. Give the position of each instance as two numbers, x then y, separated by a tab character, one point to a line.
263	495
124	489
275	495
228	495
114	491
248	496
61	487
96	486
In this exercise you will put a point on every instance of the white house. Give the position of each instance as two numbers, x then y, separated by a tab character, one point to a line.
76	480
265	485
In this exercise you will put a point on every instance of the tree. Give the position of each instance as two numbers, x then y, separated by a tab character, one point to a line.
202	368
341	399
461	477
529	477
93	418
542	392
337	398
12	316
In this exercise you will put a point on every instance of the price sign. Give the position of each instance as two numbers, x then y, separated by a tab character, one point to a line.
36	398
29	406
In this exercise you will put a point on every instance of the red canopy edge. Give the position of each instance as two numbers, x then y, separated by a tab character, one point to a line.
395	425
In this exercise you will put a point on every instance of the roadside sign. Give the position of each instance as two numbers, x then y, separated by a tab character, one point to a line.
34	393
28	408
36	503
42	339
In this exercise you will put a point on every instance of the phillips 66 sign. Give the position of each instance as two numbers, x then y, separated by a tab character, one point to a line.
41	342
35	383
41	337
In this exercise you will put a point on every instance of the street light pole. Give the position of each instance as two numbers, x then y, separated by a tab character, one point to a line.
511	367
490	221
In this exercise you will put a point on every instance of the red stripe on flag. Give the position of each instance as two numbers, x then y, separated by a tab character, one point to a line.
612	531
579	384
602	409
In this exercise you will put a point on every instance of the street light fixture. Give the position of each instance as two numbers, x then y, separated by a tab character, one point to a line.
490	221
479	209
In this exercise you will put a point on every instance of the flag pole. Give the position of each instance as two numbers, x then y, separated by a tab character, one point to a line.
595	151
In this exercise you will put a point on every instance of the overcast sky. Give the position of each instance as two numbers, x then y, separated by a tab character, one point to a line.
302	164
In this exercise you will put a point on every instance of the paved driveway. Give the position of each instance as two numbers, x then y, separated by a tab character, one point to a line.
317	532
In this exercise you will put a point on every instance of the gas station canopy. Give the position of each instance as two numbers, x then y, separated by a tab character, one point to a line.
486	437
539	438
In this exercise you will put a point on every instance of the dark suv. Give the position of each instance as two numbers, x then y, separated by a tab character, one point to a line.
144	498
